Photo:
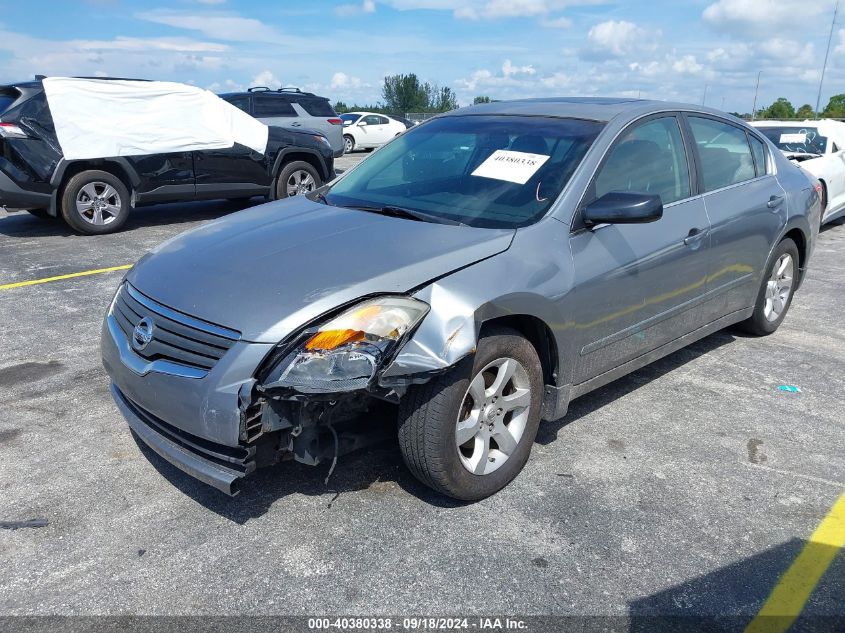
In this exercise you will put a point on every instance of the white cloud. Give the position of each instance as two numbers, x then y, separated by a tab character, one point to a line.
618	38
342	81
765	16
216	25
556	23
344	10
266	78
508	69
491	9
687	65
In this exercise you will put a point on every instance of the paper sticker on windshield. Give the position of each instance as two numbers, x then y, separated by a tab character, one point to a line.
797	137
504	164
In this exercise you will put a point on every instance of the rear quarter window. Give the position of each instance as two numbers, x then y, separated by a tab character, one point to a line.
7	99
317	107
272	107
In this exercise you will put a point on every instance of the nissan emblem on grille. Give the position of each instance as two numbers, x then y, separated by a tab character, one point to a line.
143	334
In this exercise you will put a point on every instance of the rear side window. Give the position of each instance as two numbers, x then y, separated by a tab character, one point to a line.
759	152
7	99
241	103
725	156
648	159
317	107
272	106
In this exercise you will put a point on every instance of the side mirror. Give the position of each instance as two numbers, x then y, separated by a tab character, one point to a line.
623	207
362	123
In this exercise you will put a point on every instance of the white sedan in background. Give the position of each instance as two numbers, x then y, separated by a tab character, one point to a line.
818	147
368	130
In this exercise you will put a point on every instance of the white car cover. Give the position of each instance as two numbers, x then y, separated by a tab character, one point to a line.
97	118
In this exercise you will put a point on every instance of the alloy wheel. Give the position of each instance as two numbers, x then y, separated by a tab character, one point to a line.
493	416
299	182
778	288
98	203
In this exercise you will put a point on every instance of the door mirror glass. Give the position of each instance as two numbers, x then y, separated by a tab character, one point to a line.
624	207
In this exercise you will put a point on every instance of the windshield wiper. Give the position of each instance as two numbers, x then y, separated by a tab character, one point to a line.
408	214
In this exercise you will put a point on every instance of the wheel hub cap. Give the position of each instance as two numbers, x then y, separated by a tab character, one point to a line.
778	288
493	416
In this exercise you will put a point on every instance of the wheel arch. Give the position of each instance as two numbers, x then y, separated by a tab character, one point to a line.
538	333
293	154
118	168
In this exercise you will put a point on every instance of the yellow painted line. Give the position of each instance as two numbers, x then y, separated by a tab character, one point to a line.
790	595
84	273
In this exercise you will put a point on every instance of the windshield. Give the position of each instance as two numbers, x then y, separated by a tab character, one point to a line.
349	118
796	139
486	171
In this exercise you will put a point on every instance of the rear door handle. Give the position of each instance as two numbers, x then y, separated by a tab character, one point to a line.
695	236
774	202
294	124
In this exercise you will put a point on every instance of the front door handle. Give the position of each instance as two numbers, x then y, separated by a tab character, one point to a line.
774	202
294	124
695	236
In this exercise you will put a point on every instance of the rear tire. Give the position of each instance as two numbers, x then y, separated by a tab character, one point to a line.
776	290
501	390
297	178
95	202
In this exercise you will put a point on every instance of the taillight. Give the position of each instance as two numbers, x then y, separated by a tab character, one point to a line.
11	130
335	121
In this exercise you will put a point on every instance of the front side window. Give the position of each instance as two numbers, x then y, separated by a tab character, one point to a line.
648	159
725	155
486	171
372	119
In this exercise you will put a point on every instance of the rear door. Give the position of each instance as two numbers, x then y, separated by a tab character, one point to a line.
640	286
746	206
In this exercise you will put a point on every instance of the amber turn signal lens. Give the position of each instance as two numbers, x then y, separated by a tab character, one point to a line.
331	339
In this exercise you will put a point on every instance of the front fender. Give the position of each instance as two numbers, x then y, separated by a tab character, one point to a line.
522	281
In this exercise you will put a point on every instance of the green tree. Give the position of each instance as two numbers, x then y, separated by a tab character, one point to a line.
481	99
340	107
443	100
405	93
805	112
780	109
835	107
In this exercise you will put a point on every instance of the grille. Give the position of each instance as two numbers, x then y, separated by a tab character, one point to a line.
176	337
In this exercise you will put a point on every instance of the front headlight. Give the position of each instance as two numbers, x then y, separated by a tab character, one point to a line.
344	353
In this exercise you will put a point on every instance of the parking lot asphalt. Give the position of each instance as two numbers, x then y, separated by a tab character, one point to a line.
686	488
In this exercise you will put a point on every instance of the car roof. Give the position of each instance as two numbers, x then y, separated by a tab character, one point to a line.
593	108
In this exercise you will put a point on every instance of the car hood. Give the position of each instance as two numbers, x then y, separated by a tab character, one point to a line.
269	270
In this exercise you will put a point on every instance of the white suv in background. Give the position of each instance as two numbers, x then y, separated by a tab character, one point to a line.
368	130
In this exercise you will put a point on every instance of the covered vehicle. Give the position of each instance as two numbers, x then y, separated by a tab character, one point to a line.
818	147
89	150
471	278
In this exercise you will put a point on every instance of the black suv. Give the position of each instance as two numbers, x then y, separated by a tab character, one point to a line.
95	196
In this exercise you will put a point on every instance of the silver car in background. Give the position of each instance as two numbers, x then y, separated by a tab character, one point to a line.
470	279
291	107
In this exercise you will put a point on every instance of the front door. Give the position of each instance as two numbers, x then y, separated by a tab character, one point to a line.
638	285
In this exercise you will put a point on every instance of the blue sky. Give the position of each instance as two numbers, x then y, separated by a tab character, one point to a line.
501	48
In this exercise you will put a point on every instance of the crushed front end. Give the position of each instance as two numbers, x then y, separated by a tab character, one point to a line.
218	407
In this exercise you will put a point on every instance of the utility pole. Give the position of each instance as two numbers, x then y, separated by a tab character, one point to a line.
826	53
756	90
704	98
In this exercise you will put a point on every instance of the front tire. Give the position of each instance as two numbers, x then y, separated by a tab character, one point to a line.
95	202
776	290
467	433
297	178
348	144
